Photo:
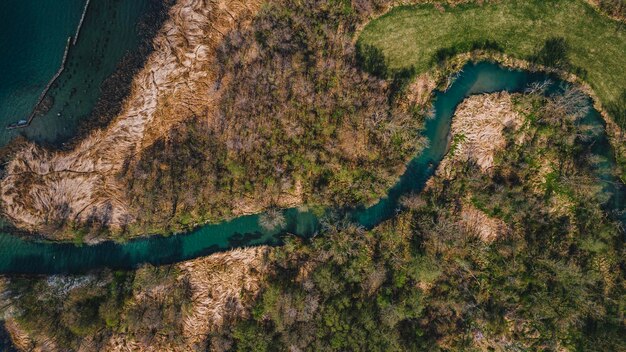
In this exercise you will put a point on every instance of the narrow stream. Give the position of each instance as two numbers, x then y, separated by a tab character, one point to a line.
22	256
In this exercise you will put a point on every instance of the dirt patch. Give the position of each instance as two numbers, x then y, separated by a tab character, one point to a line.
476	222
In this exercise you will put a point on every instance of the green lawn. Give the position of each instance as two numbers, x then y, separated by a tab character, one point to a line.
412	35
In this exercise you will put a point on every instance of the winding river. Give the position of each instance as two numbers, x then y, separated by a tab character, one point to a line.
22	256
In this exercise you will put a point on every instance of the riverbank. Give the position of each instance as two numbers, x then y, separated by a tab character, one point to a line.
590	55
209	293
117	87
616	134
84	180
488	219
592	44
40	200
164	184
23	255
114	89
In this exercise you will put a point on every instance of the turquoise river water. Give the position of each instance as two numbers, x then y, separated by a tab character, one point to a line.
22	256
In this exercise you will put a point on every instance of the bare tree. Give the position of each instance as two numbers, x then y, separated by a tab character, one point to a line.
272	219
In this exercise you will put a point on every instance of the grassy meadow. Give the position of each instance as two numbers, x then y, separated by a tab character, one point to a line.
581	39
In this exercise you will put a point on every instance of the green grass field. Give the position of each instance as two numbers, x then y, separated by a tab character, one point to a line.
412	36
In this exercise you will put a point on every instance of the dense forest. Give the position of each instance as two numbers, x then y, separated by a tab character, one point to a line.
528	255
306	116
525	255
552	279
296	117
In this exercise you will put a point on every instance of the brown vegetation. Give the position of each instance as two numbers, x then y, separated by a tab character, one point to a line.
477	130
440	275
297	123
45	190
615	9
476	222
223	288
116	88
171	308
225	119
230	116
478	261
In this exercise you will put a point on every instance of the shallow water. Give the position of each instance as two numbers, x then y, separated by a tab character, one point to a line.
33	36
6	345
20	256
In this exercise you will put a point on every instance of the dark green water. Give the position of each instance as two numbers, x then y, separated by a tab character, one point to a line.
33	35
20	256
6	345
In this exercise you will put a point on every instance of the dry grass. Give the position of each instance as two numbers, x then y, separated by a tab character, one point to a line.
222	288
224	285
43	187
615	15
476	222
24	342
478	130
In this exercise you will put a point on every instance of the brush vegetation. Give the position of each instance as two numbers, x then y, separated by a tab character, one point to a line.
549	277
566	34
298	122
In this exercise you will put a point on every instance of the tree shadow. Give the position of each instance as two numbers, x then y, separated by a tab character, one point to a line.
555	53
